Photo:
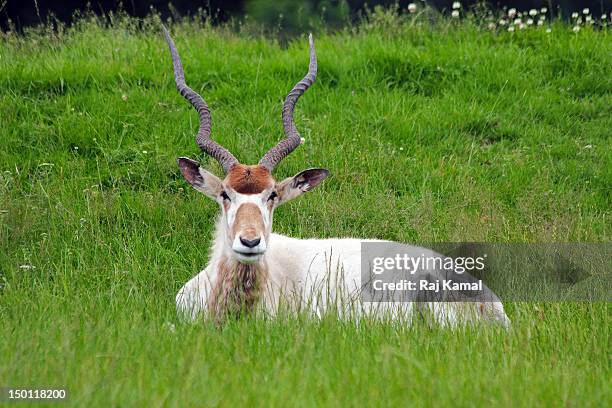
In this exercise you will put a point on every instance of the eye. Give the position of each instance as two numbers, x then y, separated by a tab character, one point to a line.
224	196
272	196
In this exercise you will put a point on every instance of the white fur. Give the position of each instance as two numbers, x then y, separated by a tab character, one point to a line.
316	276
309	275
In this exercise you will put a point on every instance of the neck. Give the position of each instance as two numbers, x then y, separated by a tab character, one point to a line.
238	286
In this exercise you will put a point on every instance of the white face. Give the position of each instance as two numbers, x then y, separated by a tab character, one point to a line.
248	197
249	222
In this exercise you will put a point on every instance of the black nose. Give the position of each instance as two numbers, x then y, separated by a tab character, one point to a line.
250	243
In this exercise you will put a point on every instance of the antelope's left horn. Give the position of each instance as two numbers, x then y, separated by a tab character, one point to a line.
293	139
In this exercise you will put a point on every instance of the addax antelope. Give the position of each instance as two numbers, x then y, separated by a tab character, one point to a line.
250	268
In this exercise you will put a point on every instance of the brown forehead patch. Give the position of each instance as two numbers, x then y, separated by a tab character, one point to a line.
249	179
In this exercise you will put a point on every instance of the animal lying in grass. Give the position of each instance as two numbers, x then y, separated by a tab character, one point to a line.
252	268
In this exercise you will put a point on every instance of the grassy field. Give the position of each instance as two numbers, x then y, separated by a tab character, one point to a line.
432	132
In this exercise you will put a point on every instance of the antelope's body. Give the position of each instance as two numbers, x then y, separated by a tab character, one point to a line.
316	276
250	267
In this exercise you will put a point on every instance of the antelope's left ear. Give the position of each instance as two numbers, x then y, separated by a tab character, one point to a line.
292	187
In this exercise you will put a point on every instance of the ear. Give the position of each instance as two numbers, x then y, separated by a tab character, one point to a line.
202	180
302	182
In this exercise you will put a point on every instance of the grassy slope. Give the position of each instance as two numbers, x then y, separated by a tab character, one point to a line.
431	135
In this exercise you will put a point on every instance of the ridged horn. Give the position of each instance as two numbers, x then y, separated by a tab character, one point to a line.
293	139
208	146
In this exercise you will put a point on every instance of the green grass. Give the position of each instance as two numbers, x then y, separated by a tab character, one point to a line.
433	133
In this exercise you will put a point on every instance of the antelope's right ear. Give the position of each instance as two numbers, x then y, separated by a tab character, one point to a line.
202	180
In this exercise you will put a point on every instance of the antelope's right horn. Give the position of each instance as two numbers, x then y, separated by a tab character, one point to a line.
208	146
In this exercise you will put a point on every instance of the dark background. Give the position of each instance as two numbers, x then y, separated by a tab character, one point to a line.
25	13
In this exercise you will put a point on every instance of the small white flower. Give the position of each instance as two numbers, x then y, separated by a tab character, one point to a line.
548	30
540	22
124	97
502	22
144	152
76	147
522	26
455	14
401	148
511	28
588	19
517	21
412	8
302	140
543	10
529	21
456	5
542	17
575	14
512	12
533	12
603	16
492	26
585	11
576	29
27	267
